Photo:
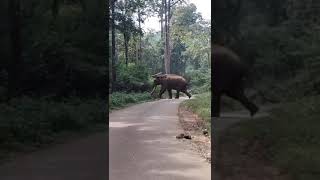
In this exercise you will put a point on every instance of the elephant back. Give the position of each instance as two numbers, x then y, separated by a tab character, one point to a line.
228	70
176	82
227	62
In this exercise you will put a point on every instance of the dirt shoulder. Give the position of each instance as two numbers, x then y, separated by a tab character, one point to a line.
194	126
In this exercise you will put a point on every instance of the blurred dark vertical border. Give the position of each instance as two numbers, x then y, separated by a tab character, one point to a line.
54	78
279	41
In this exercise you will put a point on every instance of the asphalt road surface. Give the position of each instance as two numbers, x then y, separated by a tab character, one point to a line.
142	145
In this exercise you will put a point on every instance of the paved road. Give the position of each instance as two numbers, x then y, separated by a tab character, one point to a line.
142	145
83	159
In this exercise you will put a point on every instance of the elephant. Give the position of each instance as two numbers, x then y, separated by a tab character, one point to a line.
228	79
169	82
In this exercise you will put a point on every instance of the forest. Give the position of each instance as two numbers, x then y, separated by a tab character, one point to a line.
280	40
181	46
53	70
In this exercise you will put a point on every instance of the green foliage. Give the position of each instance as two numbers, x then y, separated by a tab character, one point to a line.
201	105
119	100
133	78
153	52
55	50
290	137
191	40
30	121
200	80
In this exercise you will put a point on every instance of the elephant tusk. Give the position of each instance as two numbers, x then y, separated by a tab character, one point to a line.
153	90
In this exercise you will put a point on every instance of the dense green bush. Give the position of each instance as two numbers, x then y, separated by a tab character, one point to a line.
133	77
118	99
200	80
35	121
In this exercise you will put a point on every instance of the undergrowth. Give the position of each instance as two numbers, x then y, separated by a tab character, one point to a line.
119	99
36	121
200	105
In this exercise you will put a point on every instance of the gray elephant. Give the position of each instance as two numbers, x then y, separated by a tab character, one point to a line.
169	82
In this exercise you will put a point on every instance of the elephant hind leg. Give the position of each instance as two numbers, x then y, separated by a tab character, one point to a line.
170	93
177	95
240	96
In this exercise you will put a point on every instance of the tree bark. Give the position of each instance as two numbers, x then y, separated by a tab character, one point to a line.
166	65
168	37
140	36
161	18
125	36
113	44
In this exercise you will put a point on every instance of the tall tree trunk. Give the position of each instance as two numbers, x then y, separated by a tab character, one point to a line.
168	36
125	34
166	65
161	18
126	41
140	36
167	48
113	44
16	48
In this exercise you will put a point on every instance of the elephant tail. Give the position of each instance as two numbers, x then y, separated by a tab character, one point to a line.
188	84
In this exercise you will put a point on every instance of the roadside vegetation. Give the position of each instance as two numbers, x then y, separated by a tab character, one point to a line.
119	100
200	105
29	123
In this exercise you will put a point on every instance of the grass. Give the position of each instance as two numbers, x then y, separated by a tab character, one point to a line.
119	100
290	137
33	122
200	105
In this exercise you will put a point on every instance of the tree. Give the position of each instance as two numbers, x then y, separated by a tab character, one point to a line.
126	23
113	45
167	6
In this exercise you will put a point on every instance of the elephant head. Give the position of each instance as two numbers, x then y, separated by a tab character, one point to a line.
158	80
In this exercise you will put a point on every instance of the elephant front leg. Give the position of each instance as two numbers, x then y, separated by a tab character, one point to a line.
177	95
170	93
161	92
241	97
